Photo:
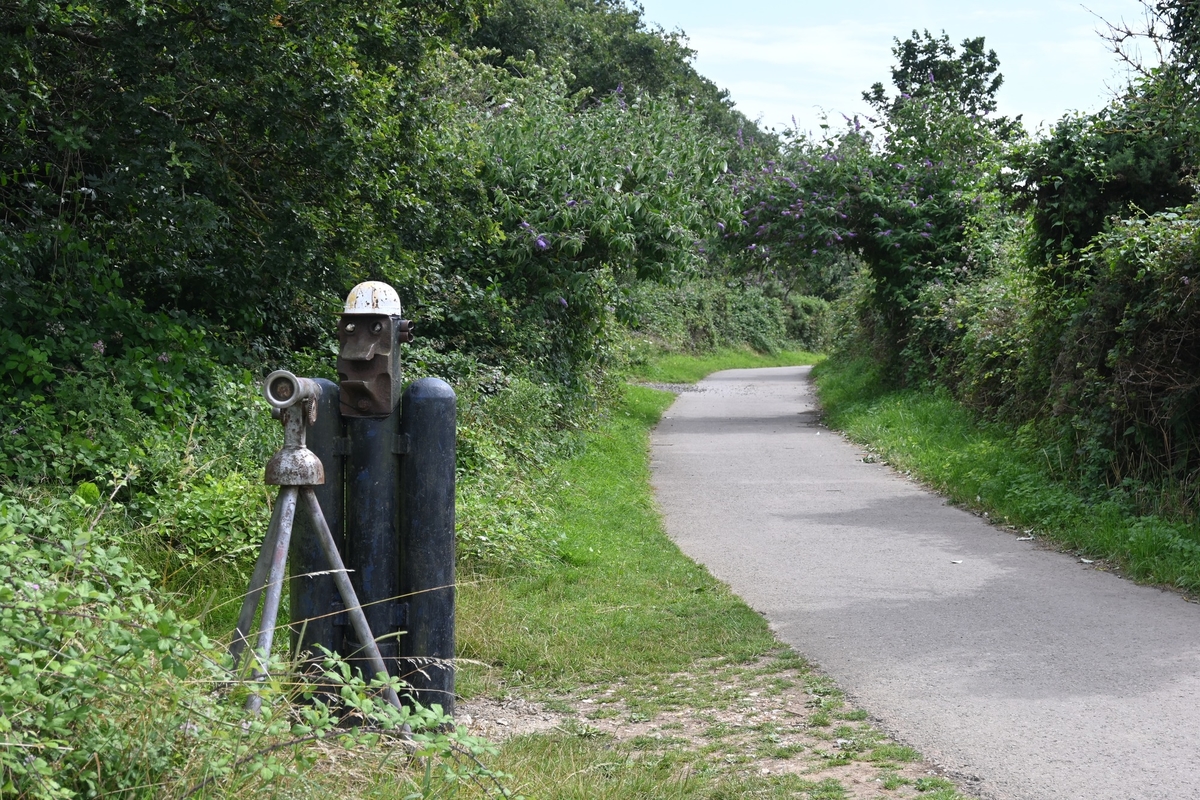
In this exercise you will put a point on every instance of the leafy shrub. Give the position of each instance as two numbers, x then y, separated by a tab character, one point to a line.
585	201
210	518
1127	383
1092	168
974	337
705	314
810	322
1104	365
506	438
102	691
236	163
89	388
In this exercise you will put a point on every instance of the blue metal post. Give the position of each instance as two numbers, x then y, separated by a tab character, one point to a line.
371	529
427	549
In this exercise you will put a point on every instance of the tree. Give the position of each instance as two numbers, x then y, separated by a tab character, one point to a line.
898	196
608	48
235	161
928	65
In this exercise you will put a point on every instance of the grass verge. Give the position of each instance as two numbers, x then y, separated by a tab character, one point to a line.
624	601
1005	473
684	368
627	671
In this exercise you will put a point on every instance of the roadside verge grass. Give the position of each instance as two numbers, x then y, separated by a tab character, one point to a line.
1006	473
687	368
624	601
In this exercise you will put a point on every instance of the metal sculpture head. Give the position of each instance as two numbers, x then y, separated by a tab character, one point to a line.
370	333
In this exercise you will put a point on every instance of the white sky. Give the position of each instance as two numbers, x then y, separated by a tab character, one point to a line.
781	59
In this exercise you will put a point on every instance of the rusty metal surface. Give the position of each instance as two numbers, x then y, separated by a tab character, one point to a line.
368	363
296	401
295	467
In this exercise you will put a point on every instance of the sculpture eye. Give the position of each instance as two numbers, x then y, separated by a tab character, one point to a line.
349	327
377	327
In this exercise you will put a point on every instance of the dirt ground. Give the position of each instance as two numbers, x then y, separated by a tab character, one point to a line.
759	718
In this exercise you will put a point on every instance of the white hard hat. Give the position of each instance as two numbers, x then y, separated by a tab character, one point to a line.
373	297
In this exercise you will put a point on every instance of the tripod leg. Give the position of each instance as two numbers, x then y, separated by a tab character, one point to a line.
349	598
257	581
274	587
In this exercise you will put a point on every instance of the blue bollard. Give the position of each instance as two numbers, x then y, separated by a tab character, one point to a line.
427	548
372	553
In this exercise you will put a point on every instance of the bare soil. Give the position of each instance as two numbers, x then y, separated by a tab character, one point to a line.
761	718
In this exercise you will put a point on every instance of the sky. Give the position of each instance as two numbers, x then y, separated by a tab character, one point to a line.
781	59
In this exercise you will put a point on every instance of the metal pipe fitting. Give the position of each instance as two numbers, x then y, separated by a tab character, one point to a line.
296	400
284	390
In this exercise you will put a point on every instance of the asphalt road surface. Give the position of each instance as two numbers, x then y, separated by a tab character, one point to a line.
1025	672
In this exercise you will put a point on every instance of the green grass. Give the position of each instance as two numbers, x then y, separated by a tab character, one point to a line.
624	602
572	766
686	368
1004	472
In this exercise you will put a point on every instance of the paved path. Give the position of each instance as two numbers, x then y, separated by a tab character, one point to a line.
1025	668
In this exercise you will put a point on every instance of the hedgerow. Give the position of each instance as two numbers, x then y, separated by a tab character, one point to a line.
103	690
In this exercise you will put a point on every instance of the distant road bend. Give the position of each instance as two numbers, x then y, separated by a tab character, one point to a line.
1020	669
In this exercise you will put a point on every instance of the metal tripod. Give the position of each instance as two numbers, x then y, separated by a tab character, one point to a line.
295	469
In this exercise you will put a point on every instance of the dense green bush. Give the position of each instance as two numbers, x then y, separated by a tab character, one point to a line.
1093	168
701	315
1127	384
237	161
587	202
530	215
104	691
1104	365
809	322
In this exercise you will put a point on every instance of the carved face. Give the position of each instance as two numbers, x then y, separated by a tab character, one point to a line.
368	364
362	336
